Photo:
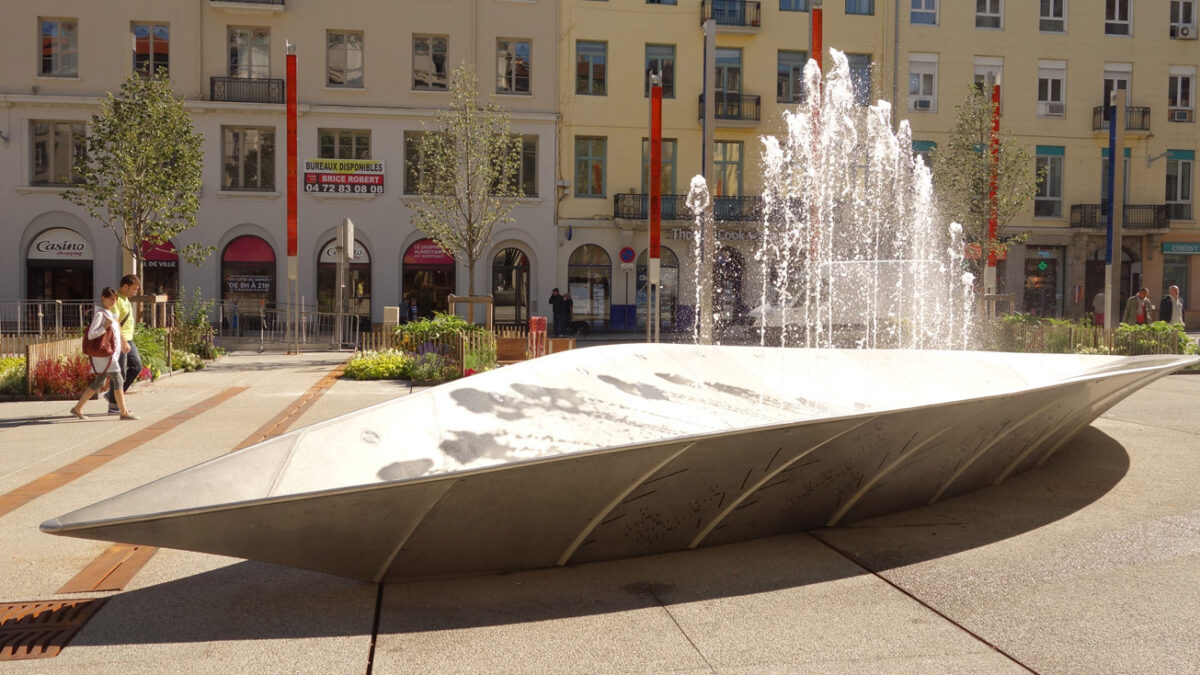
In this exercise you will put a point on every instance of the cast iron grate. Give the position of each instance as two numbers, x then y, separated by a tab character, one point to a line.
40	629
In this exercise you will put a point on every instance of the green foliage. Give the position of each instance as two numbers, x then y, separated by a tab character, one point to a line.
962	174
390	364
480	358
440	327
193	311
188	361
467	177
1021	333
12	375
152	348
1154	339
140	168
432	367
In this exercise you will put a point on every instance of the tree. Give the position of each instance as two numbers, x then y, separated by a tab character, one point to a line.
467	174
140	169
962	175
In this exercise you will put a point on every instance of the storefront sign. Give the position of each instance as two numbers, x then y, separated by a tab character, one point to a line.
159	256
329	254
427	252
680	233
1181	247
60	243
248	283
344	176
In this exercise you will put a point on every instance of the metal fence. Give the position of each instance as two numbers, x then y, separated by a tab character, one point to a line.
1063	338
42	317
269	327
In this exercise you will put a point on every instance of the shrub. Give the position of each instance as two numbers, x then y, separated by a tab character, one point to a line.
437	329
152	348
12	375
432	367
389	364
188	361
64	375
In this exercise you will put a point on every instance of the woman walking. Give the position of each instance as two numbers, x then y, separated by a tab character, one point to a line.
105	367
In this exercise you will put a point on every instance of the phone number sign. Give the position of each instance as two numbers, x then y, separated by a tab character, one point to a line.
344	176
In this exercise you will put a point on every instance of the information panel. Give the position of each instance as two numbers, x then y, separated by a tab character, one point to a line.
344	176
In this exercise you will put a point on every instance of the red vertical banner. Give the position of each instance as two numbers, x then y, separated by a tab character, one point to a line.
818	18
291	150
993	184
655	170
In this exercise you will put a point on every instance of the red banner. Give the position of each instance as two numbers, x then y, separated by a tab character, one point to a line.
291	155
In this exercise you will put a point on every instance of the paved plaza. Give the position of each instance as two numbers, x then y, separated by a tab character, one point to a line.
1090	564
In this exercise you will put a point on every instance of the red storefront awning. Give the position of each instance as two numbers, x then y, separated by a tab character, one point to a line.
164	251
248	248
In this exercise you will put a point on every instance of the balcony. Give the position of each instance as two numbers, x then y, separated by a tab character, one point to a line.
248	6
246	90
1137	119
735	108
1137	217
632	206
732	16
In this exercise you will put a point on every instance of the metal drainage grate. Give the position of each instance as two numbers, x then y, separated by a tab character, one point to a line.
40	629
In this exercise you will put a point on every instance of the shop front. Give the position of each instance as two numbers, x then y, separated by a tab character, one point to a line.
358	281
247	281
58	266
589	283
427	278
1044	280
668	288
510	287
160	269
1181	267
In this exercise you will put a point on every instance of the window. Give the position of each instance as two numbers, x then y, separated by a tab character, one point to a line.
57	146
1179	184
661	59
1053	17
528	177
151	48
249	52
986	66
1117	20
344	59
860	77
789	82
1175	272
429	62
248	155
344	143
59	49
589	166
1048	202
1181	83
922	82
989	14
1052	77
1183	19
660	2
860	6
727	167
923	11
513	66
666	177
590	67
793	5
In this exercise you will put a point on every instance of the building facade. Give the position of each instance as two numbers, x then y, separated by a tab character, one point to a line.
370	77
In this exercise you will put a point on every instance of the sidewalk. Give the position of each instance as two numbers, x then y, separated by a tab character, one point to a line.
1087	564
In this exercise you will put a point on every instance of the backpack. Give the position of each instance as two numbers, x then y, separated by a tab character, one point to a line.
101	346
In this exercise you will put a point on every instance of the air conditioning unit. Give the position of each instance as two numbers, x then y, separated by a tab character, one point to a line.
922	104
1181	115
1187	32
1052	109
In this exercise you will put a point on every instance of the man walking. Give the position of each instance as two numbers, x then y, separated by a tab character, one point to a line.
130	362
1171	307
1138	308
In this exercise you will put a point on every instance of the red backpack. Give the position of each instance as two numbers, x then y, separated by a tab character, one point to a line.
101	346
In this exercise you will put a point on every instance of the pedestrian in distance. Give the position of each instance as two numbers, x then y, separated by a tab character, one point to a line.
102	342
1098	308
131	361
1171	307
558	310
1138	308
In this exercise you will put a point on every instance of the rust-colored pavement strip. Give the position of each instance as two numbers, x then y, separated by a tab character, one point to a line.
39	486
117	565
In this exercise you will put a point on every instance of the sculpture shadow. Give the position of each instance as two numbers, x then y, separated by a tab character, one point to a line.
250	600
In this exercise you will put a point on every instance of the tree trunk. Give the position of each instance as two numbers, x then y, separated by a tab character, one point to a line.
471	289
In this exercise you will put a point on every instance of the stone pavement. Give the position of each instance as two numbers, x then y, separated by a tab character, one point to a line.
1089	564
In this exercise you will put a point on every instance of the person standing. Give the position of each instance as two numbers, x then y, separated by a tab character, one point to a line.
1171	307
1098	308
558	310
106	367
1138	308
568	306
130	361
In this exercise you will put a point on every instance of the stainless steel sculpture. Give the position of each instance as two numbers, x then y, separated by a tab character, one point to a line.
620	451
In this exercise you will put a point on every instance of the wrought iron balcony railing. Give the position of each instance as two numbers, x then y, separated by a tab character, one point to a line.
1136	118
739	107
1135	217
736	13
632	206
246	90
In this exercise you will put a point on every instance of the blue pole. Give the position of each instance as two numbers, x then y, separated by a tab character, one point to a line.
1111	181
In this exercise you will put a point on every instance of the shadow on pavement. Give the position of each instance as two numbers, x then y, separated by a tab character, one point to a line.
250	600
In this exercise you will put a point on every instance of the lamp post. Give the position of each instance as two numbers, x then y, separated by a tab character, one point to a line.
655	226
708	242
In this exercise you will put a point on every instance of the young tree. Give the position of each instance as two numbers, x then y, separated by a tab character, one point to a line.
140	168
962	174
467	174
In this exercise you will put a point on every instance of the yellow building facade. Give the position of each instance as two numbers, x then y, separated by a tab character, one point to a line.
1055	60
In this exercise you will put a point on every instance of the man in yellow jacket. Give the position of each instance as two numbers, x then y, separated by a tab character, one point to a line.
130	360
